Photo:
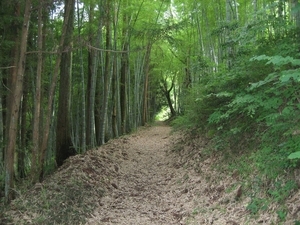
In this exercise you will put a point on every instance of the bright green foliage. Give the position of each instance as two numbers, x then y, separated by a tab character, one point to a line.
294	155
248	94
258	94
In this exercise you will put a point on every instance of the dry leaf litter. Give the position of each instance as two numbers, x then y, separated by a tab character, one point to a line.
150	177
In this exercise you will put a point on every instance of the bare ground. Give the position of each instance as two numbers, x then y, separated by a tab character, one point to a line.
147	178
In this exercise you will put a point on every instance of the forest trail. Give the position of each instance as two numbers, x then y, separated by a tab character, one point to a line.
150	177
144	190
151	187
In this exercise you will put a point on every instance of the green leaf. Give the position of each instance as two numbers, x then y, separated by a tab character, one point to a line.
215	117
294	155
260	57
277	60
270	78
224	94
288	74
287	110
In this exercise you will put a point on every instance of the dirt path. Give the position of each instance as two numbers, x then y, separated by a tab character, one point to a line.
134	180
153	187
147	178
143	190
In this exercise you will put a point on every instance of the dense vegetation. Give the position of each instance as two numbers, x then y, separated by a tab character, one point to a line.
74	75
244	94
78	73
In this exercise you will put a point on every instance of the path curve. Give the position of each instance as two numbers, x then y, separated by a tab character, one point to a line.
143	191
149	177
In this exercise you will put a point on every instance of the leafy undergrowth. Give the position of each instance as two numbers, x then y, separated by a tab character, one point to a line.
236	188
68	196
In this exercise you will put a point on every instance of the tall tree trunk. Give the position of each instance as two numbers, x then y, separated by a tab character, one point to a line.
295	5
115	99
37	99
16	96
229	18
145	117
23	130
92	78
115	71
123	88
64	148
115	84
124	71
1	124
83	103
99	100
52	87
107	74
137	74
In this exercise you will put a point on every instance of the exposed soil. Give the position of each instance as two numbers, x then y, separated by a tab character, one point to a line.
147	178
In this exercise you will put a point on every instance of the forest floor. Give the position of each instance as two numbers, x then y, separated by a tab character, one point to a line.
150	177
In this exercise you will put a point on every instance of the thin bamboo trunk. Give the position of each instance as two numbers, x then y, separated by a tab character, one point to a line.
1	124
23	130
92	78
81	130
123	89
37	99
145	117
107	75
51	93
295	5
115	99
124	73
115	89
16	96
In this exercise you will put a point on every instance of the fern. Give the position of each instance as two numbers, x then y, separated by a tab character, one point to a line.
277	60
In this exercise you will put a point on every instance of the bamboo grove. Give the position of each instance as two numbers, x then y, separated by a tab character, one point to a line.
76	73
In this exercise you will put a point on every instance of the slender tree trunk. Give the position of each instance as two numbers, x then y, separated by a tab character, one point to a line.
229	17
167	93
83	97
175	94
16	96
52	87
100	82
115	99
91	84
23	130
115	88
296	13
64	148
123	88
236	10
107	74
115	80
10	81
37	99
1	124
145	117
124	72
139	61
